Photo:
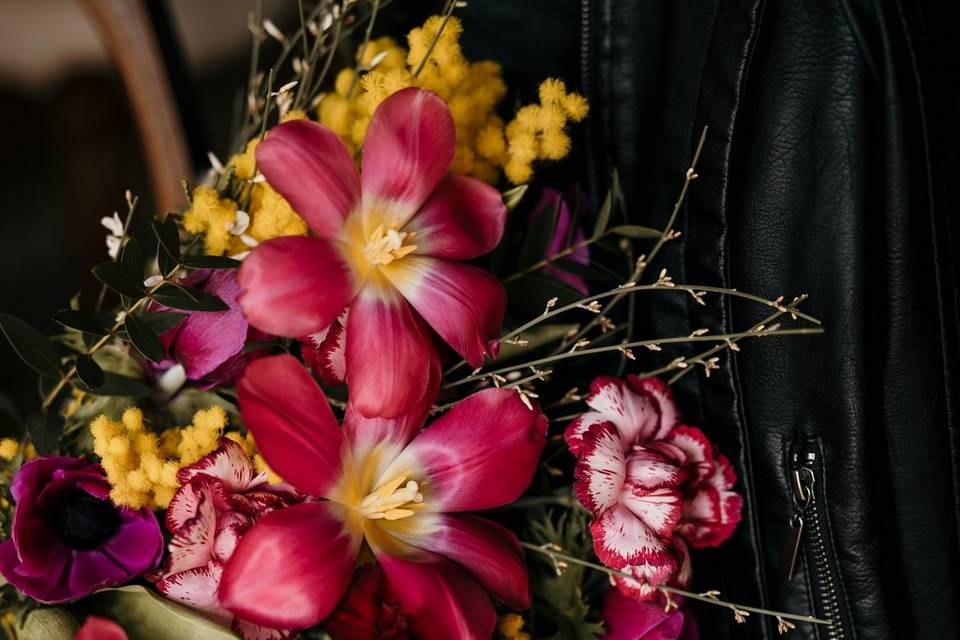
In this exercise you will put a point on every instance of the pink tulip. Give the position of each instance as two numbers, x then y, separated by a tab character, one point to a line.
385	242
401	493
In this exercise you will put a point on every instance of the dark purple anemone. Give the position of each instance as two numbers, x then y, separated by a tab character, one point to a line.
68	537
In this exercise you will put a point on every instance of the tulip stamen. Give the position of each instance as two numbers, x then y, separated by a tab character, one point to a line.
386	245
393	500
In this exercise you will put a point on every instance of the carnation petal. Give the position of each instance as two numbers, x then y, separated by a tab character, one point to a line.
620	538
601	468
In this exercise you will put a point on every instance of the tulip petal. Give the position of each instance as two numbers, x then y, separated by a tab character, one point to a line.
390	355
97	628
440	600
291	422
311	168
462	303
294	286
487	550
290	568
463	218
482	454
407	151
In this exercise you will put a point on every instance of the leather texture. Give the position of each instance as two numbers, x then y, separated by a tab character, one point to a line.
827	171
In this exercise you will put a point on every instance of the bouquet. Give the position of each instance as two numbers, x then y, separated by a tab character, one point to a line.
374	381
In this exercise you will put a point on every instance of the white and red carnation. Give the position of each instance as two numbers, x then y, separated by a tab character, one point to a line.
221	496
653	484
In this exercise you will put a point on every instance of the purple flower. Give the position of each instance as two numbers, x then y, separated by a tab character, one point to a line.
68	538
550	201
209	344
629	619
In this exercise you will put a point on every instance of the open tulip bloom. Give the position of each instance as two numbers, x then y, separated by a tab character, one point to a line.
385	242
380	483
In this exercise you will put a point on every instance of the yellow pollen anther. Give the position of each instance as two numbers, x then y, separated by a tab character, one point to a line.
386	245
393	500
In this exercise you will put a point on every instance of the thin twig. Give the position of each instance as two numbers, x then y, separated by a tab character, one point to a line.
447	12
709	598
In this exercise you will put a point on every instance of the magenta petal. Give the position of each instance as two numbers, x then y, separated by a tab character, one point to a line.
627	619
291	422
463	218
291	568
294	286
97	628
439	598
489	551
389	355
464	304
483	453
407	151
310	167
205	340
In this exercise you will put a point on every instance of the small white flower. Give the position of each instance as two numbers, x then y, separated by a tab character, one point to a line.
239	225
114	224
113	246
249	241
153	281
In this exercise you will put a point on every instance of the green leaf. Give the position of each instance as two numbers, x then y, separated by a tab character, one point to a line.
512	197
161	321
45	430
32	346
89	371
634	231
187	299
168	249
119	278
117	385
85	321
143	338
132	257
145	615
210	262
48	623
603	218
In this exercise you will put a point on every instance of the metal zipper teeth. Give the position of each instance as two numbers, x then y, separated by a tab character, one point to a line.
829	599
585	82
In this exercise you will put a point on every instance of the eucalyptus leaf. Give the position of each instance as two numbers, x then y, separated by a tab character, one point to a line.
85	321
603	217
161	321
118	277
188	299
143	338
145	615
210	262
634	231
45	429
117	385
168	249
32	346
89	371
132	256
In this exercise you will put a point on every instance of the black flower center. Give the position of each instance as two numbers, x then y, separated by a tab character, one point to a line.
83	522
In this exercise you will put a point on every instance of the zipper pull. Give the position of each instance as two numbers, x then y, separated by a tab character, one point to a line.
801	481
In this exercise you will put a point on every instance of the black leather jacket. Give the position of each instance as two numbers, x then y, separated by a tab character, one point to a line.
832	132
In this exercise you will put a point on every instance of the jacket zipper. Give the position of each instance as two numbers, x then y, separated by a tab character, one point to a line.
808	534
593	184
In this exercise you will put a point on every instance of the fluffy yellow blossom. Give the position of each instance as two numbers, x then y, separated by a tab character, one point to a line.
9	448
485	144
212	216
142	465
510	627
